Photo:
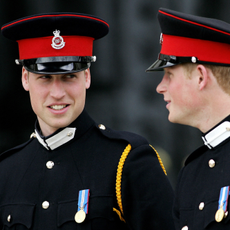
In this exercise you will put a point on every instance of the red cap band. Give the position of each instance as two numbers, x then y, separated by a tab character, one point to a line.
204	50
42	47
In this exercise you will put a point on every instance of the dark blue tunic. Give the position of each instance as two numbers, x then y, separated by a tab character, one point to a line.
34	196
206	171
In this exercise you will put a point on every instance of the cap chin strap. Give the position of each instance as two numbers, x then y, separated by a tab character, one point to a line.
165	61
57	65
64	68
177	60
84	59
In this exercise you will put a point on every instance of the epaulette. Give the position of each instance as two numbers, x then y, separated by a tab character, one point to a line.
11	151
132	138
196	154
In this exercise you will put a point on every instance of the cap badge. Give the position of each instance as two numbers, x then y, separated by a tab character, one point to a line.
161	39
57	41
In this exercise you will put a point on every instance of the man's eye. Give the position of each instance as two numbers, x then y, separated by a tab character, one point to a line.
45	77
168	74
69	76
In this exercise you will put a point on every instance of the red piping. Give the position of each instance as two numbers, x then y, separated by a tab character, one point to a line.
57	15
193	22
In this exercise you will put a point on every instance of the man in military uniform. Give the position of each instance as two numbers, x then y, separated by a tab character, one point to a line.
195	55
74	173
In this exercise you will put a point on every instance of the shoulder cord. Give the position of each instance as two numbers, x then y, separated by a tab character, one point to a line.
118	181
119	175
159	159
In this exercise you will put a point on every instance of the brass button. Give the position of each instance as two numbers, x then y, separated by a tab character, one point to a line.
101	126
211	163
9	218
45	205
33	135
69	134
201	206
50	164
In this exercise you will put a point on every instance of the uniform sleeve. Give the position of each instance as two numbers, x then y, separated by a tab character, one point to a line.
147	196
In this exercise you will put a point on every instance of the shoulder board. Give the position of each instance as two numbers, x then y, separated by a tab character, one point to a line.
132	138
196	154
11	151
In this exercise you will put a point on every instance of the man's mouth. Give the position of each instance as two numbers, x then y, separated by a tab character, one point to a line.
167	101
58	107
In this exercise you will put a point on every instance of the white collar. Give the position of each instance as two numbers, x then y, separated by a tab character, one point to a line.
58	139
217	135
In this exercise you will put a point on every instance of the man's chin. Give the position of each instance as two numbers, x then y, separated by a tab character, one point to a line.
172	119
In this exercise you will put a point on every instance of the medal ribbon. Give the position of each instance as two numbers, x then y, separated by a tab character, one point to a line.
83	199
223	199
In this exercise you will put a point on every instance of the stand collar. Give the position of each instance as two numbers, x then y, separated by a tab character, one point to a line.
56	140
218	134
64	135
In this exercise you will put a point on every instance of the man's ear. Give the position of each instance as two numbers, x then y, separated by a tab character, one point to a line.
203	76
25	79
87	78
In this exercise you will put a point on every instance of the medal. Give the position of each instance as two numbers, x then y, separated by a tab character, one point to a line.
219	215
80	216
83	199
222	204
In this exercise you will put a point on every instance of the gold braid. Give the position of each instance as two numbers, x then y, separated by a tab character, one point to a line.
159	159
119	176
118	181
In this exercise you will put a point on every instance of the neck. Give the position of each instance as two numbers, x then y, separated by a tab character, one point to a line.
213	114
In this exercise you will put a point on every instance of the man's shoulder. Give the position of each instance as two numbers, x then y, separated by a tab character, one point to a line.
196	154
15	149
132	138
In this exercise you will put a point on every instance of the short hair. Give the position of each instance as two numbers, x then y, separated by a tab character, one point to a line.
188	67
221	73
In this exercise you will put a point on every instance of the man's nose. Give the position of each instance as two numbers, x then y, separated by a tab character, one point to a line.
161	88
57	89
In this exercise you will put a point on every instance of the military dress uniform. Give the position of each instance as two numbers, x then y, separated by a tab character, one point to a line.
41	179
206	172
84	176
202	191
